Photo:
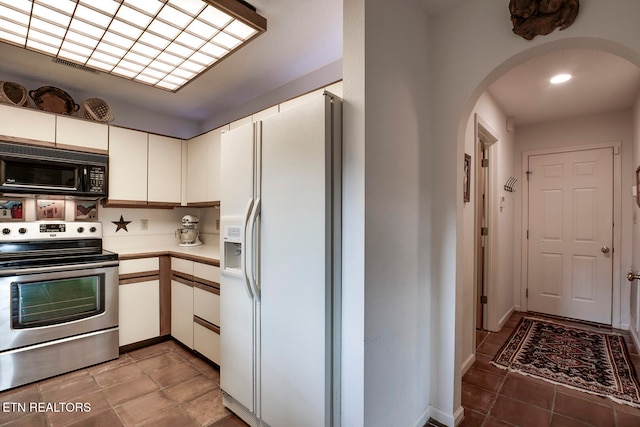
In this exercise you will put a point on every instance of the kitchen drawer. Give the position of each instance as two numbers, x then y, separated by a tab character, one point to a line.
139	265
210	273
207	342
182	265
206	304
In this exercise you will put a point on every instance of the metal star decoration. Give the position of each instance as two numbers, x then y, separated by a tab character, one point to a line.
121	225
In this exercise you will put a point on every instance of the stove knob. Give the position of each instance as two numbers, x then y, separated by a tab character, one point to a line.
22	230
93	229
80	229
6	231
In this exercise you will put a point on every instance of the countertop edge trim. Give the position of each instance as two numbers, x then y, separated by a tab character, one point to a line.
198	258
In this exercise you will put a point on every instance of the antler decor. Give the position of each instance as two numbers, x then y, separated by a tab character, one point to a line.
540	17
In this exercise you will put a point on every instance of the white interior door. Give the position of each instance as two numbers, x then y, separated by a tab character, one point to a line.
571	233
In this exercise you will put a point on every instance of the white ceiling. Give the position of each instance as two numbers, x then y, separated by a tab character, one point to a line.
601	82
302	36
306	35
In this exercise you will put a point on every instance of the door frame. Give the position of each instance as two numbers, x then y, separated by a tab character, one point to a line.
616	304
484	133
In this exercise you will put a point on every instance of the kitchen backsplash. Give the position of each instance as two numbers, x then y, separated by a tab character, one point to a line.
139	227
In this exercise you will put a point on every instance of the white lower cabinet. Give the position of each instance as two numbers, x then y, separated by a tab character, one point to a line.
182	312
195	306
207	342
139	316
139	293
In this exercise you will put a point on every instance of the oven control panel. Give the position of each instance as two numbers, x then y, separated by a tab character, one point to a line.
45	230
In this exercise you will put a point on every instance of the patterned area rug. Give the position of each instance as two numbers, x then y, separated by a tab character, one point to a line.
593	362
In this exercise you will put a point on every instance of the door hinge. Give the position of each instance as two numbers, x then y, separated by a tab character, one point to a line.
484	231
483	299
528	174
485	163
526	293
527	234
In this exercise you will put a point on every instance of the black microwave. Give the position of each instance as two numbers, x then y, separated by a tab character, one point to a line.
33	170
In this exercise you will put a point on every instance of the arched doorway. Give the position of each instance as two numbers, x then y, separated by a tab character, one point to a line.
516	240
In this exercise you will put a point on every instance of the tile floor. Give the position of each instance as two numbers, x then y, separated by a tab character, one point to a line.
495	397
160	385
166	385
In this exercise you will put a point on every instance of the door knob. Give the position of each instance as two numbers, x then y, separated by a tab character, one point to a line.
632	275
605	249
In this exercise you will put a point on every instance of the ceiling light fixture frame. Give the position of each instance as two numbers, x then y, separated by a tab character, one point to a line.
65	30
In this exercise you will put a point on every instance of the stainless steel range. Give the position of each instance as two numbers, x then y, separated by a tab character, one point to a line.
58	300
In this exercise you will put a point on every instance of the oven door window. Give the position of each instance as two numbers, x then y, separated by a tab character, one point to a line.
51	302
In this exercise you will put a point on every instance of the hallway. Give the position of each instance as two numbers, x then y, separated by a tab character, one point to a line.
496	397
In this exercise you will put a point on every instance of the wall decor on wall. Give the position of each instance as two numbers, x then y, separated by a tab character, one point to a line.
121	224
11	210
86	211
466	179
531	18
49	209
509	185
638	186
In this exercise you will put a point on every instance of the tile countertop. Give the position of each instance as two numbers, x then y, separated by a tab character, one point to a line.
208	254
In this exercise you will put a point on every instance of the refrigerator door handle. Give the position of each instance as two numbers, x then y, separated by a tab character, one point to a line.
251	252
247	249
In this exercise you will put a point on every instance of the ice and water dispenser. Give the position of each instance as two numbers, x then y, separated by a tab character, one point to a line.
232	241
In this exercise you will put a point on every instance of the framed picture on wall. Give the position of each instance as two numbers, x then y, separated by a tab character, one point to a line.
86	211
466	179
50	209
11	210
638	186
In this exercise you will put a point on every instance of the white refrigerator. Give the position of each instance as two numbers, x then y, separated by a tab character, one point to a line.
280	297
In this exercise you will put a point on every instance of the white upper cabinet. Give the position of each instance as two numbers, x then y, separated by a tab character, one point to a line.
203	168
82	135
27	125
127	165
165	170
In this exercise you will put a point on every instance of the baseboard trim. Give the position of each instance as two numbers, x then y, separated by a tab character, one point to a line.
468	363
424	418
506	317
447	419
634	335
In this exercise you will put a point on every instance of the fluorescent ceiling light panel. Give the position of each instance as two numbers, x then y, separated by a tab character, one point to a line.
161	43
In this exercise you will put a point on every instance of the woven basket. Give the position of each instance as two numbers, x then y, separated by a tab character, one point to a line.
13	94
95	109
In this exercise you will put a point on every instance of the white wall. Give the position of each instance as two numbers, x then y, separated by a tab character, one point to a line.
593	129
125	115
145	119
386	304
470	47
316	79
162	224
501	231
634	298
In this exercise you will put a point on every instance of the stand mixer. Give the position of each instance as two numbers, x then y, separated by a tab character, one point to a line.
188	233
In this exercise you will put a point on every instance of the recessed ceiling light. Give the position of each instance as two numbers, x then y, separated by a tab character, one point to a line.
560	78
150	41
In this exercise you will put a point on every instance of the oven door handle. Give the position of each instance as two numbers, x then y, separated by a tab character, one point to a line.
73	267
